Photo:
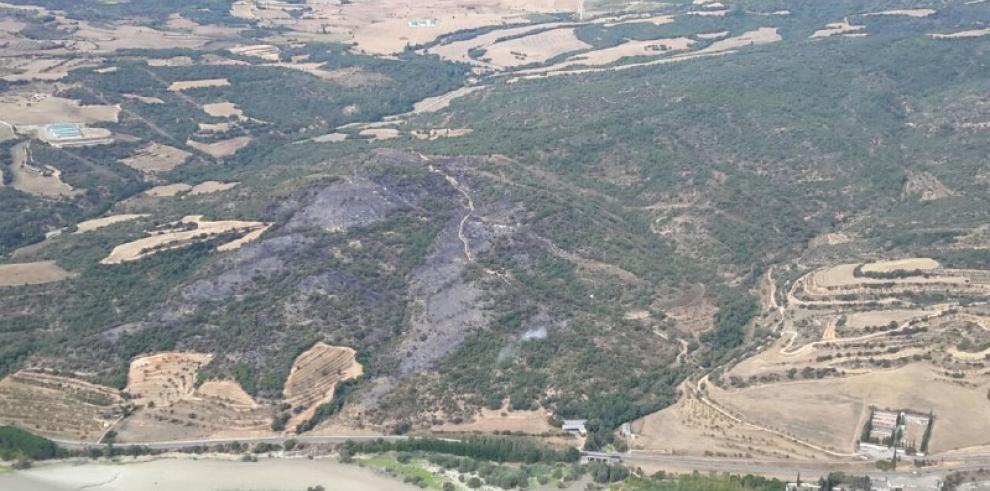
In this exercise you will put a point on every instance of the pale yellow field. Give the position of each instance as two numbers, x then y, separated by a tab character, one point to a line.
98	223
221	148
168	190
146	100
906	12
458	50
198	84
247	239
972	33
837	28
537	48
223	110
691	427
437	133
611	55
376	134
41	181
910	264
24	109
860	320
155	157
828	411
164	378
179	236
532	422
227	392
208	187
35	273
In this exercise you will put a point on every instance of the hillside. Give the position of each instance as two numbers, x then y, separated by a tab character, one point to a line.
643	214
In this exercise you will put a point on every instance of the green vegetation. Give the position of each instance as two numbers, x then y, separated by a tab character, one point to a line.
16	444
324	411
495	449
702	482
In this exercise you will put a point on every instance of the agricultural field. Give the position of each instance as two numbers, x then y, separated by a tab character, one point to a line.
741	227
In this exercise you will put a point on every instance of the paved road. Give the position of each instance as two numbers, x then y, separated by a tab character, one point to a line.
177	444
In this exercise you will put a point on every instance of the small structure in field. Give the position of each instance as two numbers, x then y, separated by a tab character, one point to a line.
575	426
60	135
431	22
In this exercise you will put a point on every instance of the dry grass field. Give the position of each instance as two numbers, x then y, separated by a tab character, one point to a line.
837	29
532	422
314	375
98	223
223	110
155	158
850	342
35	109
187	231
164	378
35	273
971	33
40	181
691	427
221	148
830	412
198	84
168	190
58	407
537	48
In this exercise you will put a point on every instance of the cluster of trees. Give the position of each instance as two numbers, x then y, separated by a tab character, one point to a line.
325	411
495	449
16	443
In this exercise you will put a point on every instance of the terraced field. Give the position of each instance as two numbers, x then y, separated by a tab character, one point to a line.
58	406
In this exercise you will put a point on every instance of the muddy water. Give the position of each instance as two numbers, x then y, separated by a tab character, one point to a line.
201	475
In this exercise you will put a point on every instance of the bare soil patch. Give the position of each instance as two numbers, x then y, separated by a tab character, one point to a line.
35	273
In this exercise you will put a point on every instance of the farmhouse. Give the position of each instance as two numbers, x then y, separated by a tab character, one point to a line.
574	426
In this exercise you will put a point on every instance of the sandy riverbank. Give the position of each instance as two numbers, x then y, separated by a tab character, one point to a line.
184	474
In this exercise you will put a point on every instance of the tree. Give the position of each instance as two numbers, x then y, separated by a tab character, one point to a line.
474	483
